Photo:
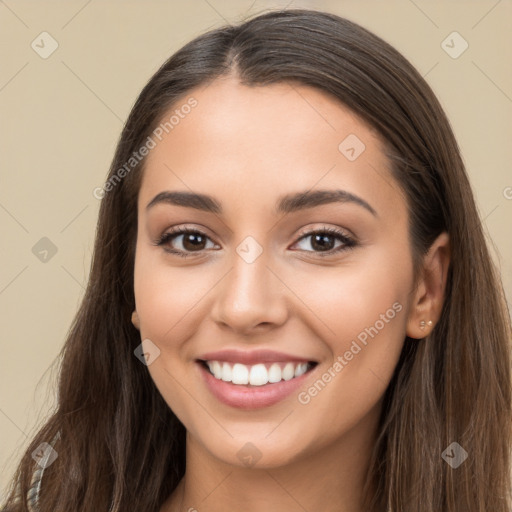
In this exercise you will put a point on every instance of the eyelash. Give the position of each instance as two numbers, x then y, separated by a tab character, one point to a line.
348	242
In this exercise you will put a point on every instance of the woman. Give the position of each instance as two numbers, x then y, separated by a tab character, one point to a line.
339	341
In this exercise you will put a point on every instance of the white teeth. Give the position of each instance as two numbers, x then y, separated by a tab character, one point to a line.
288	371
227	374
217	369
240	374
300	369
274	373
258	374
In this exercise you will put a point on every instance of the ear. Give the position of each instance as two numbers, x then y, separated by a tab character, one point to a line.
135	320
428	297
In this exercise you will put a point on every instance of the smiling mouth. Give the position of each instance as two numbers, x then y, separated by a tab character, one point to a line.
258	374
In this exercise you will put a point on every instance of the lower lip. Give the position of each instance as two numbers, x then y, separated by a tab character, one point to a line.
251	397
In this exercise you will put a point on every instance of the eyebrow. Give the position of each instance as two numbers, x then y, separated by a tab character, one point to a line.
288	203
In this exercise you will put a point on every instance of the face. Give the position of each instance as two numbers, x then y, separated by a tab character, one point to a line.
263	284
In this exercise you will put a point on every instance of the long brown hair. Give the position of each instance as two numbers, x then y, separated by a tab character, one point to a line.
119	445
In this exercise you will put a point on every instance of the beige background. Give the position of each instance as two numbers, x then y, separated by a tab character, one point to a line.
62	116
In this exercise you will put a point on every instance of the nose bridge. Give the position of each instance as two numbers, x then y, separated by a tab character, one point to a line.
250	293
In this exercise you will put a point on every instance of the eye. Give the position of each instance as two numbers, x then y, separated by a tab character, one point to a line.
192	241
322	241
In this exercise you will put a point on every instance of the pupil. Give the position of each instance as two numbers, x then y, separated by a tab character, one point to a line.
194	238
320	242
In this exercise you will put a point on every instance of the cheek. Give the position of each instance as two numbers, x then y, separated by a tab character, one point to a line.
169	298
367	290
166	300
163	297
364	306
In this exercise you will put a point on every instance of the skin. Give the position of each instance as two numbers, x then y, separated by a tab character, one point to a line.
247	146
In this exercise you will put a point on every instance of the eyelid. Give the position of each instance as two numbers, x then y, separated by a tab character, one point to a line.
327	229
183	229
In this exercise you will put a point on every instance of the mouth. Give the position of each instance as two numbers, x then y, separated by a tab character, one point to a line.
256	375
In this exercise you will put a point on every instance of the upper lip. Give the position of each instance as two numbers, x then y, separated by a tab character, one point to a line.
251	357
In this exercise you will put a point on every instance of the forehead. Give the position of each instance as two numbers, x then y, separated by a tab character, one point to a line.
250	144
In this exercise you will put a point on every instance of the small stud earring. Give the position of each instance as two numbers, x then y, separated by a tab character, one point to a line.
423	323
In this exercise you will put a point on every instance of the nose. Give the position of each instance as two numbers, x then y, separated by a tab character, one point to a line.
251	297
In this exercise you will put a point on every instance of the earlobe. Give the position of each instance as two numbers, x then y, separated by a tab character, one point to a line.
428	297
135	320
